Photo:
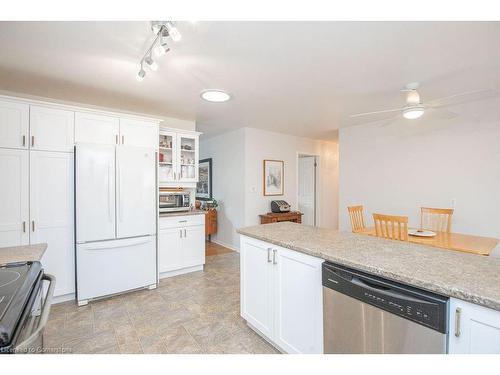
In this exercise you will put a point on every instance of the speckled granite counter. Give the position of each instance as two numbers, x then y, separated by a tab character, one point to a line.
182	213
22	253
468	277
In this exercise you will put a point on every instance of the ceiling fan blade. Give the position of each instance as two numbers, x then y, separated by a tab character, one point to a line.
376	112
444	114
436	102
390	121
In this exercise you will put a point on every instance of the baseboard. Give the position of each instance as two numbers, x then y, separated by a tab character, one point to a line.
232	247
63	298
182	271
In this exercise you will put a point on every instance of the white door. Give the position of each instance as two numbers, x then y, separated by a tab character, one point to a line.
93	128
193	246
167	158
95	192
307	188
187	157
110	267
52	214
138	133
52	129
256	285
169	249
14	206
298	302
474	329
135	191
14	122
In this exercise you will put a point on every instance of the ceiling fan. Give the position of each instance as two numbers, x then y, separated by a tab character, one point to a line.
415	108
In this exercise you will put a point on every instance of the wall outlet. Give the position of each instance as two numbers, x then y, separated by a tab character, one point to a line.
453	202
253	189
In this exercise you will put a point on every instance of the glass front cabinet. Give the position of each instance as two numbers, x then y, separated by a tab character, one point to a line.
178	158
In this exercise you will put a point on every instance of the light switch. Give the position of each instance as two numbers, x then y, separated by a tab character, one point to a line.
453	203
253	189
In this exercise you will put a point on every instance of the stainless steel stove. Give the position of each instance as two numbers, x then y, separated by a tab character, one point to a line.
23	310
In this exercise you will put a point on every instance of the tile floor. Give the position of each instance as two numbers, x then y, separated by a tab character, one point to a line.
194	313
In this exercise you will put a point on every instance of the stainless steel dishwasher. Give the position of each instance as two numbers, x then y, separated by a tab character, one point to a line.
368	314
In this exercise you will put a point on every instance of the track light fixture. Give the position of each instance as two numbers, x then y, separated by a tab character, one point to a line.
162	30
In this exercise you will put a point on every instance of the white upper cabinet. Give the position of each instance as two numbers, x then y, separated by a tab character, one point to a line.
188	157
99	129
138	133
51	129
473	329
51	211
14	121
14	207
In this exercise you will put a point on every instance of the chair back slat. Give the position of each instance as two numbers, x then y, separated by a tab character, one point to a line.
357	218
392	227
436	219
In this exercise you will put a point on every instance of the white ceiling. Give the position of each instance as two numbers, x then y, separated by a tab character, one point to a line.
301	78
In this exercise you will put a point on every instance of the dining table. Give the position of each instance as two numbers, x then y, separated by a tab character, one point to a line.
451	241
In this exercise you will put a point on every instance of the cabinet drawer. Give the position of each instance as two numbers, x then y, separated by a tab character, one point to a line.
181	221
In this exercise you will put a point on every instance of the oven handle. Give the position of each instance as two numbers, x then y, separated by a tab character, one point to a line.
44	316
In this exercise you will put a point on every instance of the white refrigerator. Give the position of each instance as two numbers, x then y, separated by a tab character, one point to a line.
115	214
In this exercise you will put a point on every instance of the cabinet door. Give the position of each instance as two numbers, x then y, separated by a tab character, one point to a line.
52	129
135	191
14	207
193	246
14	120
92	128
473	329
167	158
138	133
169	249
52	214
256	285
298	302
95	192
187	156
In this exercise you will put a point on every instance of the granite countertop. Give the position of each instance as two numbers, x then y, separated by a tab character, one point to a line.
22	253
182	213
469	277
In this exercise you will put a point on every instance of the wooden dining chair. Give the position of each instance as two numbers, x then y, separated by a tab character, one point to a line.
436	219
357	218
392	227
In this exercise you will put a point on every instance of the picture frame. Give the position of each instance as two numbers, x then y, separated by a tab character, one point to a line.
273	177
204	184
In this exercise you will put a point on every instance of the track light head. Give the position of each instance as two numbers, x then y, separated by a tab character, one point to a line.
151	63
161	48
140	75
173	32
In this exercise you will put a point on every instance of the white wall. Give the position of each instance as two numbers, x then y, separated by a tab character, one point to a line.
237	171
227	153
427	162
260	145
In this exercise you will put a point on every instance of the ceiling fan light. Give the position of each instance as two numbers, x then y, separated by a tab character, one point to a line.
413	113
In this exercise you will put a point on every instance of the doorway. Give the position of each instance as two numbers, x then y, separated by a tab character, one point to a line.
306	187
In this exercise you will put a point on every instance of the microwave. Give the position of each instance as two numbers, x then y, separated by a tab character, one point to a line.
171	201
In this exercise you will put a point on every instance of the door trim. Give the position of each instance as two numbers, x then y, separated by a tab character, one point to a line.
316	183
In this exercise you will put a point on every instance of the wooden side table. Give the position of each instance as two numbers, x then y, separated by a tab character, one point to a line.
271	217
210	223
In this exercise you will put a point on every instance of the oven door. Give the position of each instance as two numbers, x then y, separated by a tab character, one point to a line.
169	202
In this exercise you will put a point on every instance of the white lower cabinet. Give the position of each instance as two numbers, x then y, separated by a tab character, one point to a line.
473	329
281	295
181	244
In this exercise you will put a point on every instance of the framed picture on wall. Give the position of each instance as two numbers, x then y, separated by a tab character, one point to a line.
204	184
274	177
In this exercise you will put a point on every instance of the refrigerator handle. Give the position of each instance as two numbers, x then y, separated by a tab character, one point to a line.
110	193
119	194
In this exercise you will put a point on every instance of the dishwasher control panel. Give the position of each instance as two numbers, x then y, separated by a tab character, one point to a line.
423	307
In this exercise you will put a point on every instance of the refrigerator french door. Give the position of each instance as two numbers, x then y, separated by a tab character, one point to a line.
115	219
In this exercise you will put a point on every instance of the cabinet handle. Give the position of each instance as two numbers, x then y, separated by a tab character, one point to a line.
32	140
174	175
24	140
269	255
180	233
32	225
123	139
182	221
116	138
458	315
185	233
24	227
274	256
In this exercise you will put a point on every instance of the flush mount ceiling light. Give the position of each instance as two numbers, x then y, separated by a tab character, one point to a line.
215	96
162	30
